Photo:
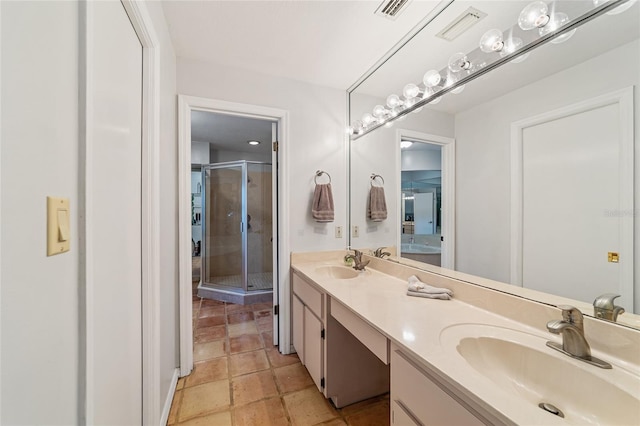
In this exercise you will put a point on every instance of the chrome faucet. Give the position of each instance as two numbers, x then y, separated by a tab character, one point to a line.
358	264
603	307
574	343
381	254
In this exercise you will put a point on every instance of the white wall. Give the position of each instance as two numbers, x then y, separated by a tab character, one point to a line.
377	153
200	152
39	310
483	156
169	312
316	137
218	156
39	295
421	160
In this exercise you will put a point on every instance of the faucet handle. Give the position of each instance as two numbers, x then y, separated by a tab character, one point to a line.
571	314
605	301
604	307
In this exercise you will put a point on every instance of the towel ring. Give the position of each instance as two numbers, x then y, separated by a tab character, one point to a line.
320	173
374	176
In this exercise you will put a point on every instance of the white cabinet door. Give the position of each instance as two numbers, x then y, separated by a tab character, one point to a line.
313	346
298	327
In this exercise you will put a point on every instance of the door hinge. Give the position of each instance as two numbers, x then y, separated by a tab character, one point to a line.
322	383
322	334
275	146
276	309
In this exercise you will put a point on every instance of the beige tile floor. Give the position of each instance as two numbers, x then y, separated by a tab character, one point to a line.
240	378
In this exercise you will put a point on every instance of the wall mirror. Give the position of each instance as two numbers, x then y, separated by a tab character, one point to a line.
535	182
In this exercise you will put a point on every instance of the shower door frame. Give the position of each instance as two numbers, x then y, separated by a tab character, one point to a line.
220	288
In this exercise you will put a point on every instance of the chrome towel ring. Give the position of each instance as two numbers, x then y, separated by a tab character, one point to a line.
374	177
320	173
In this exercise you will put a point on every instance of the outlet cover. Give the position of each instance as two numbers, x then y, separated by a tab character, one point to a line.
338	231
355	233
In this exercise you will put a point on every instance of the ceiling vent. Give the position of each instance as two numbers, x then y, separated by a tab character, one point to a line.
462	23
390	9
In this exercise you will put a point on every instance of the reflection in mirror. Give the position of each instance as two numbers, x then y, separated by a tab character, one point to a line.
544	157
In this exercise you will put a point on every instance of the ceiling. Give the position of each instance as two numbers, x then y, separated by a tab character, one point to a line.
231	133
326	43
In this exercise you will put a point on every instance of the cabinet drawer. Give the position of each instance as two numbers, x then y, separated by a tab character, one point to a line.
424	399
375	341
308	295
400	416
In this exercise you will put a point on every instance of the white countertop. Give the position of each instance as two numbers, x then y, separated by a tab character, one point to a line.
416	325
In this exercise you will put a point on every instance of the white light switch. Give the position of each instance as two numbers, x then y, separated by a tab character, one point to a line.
58	228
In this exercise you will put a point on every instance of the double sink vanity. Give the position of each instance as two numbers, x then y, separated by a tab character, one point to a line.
480	358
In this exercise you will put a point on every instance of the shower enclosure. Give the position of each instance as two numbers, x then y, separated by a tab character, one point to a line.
237	227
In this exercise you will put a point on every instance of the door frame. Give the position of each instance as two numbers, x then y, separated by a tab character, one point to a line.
624	99
448	217
187	104
150	208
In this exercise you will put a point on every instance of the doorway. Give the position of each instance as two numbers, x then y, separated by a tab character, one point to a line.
217	151
426	167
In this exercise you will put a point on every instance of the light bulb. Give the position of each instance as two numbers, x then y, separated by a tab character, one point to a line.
511	45
379	111
367	119
492	41
459	62
436	100
410	91
557	20
431	78
357	126
349	130
458	90
389	124
417	109
534	15
616	10
405	144
393	101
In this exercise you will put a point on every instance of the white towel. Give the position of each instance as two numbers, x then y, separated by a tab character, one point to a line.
442	296
415	285
322	206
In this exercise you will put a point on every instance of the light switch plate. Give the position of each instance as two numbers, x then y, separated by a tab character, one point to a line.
355	233
338	231
58	226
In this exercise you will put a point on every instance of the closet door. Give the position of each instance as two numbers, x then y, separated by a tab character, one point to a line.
114	244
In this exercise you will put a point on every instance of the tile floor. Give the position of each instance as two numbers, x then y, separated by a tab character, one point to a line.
240	378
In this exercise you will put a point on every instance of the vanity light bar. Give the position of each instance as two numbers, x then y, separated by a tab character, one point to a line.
357	132
461	24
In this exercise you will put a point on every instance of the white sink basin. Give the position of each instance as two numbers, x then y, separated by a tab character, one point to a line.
338	272
520	364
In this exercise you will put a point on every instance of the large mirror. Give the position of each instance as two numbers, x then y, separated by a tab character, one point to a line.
526	176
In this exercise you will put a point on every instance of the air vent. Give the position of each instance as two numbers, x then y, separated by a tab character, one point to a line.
390	9
462	23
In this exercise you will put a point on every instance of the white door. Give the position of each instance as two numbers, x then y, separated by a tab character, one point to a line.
114	347
423	213
274	231
571	179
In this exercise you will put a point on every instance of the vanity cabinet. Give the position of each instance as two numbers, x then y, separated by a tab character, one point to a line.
345	368
308	327
417	399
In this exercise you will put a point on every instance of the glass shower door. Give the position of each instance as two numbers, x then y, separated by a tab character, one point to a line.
223	225
259	227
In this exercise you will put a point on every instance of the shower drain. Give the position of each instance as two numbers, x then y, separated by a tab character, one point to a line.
550	408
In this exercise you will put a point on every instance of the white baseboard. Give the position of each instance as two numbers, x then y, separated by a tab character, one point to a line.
167	403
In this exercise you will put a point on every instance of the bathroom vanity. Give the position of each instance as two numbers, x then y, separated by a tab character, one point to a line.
479	358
